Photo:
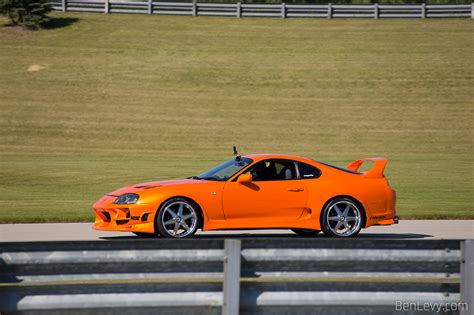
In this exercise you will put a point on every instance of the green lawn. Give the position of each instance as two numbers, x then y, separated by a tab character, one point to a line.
121	99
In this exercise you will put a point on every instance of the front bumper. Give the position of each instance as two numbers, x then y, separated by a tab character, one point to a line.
124	218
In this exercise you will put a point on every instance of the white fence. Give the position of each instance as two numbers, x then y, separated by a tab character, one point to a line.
232	276
282	10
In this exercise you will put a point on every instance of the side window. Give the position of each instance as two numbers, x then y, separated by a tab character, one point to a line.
271	170
308	171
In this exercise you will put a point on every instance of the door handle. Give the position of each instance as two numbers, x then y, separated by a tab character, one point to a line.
295	189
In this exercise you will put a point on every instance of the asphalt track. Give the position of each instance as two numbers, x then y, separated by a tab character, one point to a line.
409	229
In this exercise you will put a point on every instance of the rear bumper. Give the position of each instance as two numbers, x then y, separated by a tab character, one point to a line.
383	212
122	218
389	221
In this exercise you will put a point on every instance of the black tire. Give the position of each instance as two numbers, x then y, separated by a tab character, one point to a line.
333	218
144	235
189	221
306	232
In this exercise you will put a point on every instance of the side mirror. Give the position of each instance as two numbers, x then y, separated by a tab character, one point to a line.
244	178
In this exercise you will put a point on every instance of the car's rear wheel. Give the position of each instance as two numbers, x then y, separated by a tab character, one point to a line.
306	232
342	217
178	218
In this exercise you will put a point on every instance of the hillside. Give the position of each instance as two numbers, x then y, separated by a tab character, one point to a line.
106	101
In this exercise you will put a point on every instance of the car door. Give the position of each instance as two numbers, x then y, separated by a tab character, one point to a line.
275	192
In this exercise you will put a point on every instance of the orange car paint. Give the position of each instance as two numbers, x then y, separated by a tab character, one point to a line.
243	204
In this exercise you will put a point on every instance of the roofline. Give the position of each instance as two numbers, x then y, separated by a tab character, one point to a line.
262	156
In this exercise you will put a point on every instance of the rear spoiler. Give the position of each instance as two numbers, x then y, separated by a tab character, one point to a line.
375	172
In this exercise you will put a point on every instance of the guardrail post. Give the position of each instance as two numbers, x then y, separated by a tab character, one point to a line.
239	10
329	10
467	276
64	5
472	10
423	10
106	6
376	10
231	302
283	10
150	6
195	8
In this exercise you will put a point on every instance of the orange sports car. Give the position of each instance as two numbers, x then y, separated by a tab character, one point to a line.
258	191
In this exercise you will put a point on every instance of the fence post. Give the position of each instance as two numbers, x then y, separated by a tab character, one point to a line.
376	10
329	10
239	10
472	10
467	276
150	6
64	5
283	10
194	7
106	6
423	10
231	302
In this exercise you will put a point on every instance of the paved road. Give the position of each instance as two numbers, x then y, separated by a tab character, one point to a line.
409	229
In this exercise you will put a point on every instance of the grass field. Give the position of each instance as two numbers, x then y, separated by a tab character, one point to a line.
111	100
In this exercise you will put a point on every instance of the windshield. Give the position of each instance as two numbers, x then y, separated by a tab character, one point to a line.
226	170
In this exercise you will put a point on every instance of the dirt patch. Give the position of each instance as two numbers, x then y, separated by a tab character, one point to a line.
15	29
36	67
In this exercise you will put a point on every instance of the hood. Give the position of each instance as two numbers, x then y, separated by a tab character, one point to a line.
170	182
150	185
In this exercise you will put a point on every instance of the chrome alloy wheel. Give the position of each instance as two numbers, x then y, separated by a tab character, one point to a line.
179	219
344	218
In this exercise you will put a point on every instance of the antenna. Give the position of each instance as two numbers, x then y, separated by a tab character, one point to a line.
238	158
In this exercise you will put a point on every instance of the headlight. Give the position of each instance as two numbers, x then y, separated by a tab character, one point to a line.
126	199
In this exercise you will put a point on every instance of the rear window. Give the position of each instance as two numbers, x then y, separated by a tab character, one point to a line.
308	171
338	168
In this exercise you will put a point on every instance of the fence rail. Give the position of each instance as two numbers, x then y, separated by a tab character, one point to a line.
227	276
282	10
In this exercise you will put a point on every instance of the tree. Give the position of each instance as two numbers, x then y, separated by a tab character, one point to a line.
31	14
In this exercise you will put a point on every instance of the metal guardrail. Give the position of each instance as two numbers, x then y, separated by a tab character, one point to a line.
211	276
282	10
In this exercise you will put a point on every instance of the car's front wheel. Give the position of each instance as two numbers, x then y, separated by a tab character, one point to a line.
342	217
306	232
178	218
